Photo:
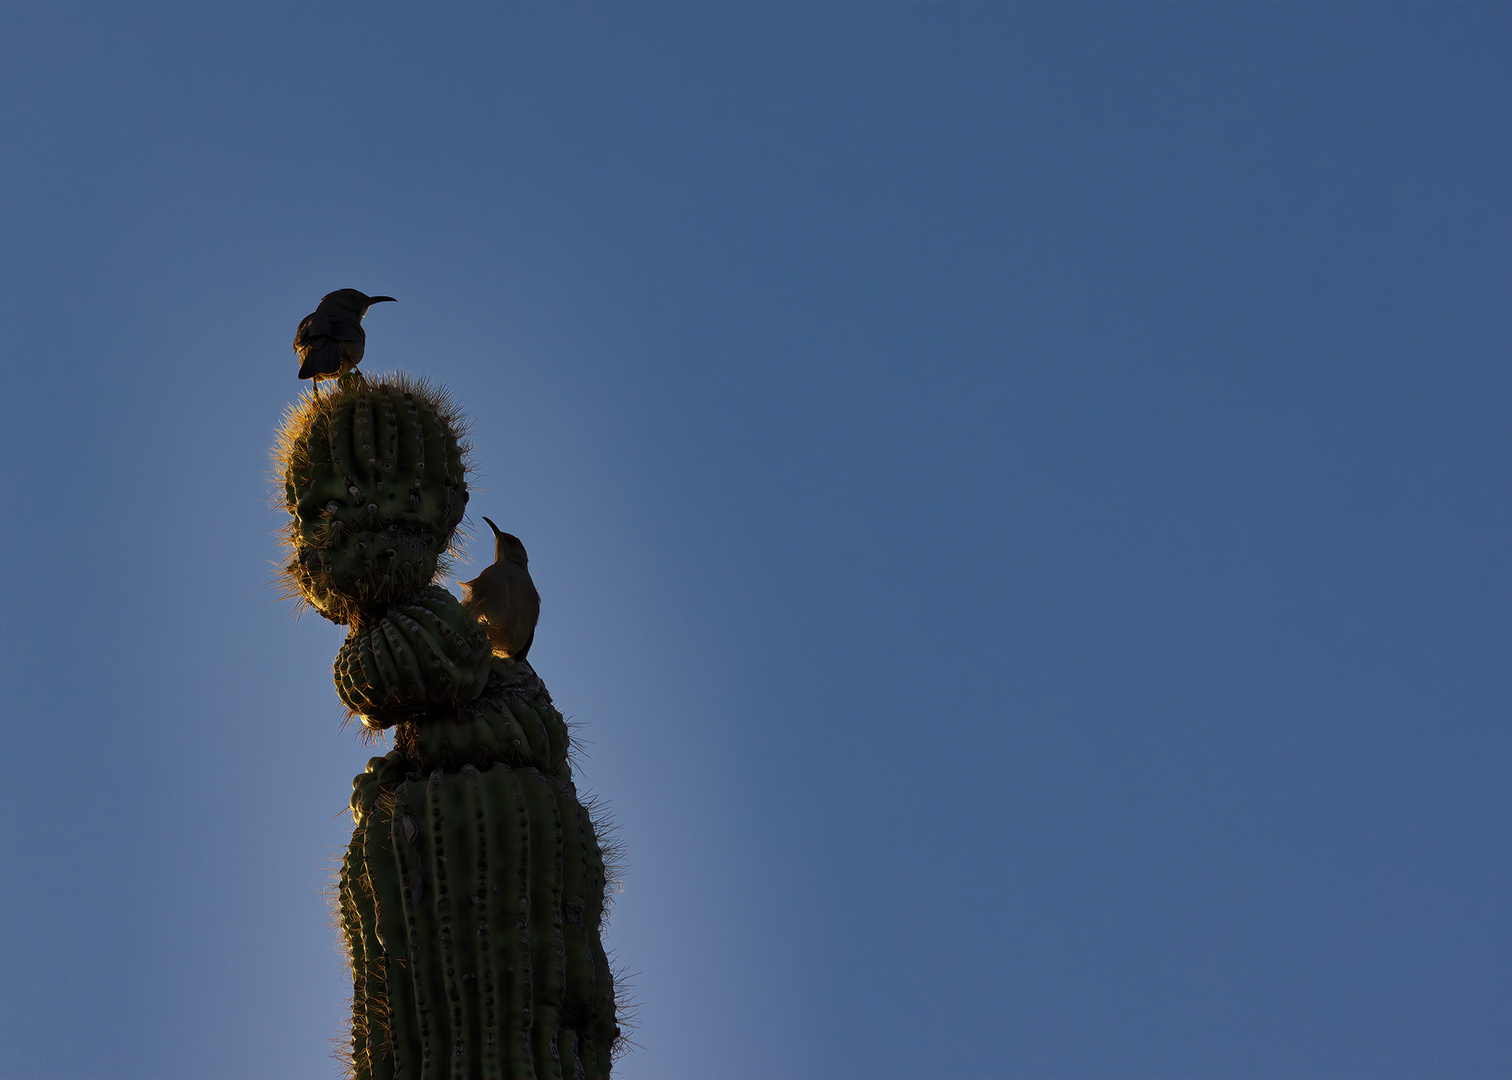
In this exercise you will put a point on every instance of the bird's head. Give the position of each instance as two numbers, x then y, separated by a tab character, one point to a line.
352	300
507	547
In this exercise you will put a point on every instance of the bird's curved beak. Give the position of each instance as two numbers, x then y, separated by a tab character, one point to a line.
495	528
380	299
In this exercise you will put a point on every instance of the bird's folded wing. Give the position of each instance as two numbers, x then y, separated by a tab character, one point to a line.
321	357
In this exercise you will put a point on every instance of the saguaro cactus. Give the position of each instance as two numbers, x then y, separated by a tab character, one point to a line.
472	894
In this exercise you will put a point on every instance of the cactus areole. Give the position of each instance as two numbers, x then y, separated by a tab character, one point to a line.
472	895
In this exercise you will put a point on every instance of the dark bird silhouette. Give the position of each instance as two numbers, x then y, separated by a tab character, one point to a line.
504	598
330	340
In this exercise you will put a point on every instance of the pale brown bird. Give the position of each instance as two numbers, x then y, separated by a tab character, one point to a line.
504	598
330	340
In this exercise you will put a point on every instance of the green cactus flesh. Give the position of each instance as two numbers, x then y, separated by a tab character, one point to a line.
417	655
472	895
375	483
513	722
472	904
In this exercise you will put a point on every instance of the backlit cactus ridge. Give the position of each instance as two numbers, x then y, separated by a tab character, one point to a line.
472	895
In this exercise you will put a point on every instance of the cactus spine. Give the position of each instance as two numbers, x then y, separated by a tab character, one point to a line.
472	894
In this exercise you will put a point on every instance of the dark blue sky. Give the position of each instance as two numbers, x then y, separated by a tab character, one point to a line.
1019	492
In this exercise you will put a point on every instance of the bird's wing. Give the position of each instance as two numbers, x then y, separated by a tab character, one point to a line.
306	333
321	357
314	325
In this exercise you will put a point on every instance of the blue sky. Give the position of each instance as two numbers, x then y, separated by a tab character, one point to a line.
1019	494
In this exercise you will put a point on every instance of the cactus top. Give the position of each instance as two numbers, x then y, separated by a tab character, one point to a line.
375	482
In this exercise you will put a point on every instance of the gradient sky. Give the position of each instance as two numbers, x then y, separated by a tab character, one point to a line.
1020	496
